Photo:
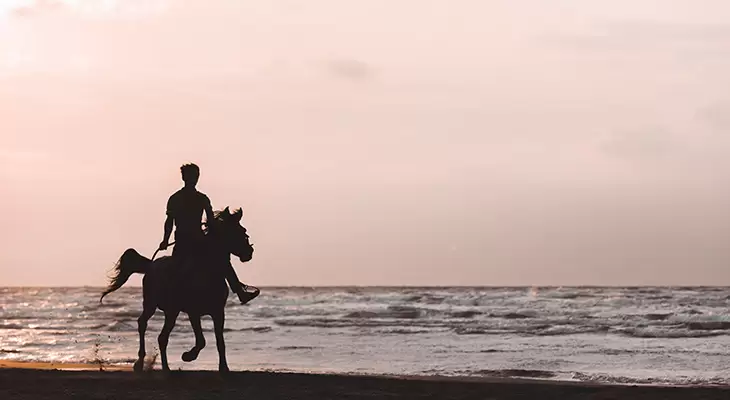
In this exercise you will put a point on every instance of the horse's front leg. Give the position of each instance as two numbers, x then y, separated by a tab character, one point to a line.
199	339
219	319
170	318
147	313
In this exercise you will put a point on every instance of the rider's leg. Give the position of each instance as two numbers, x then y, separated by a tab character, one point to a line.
184	258
232	278
181	253
236	286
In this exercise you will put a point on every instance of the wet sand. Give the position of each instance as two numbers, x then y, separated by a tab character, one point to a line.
5	364
78	381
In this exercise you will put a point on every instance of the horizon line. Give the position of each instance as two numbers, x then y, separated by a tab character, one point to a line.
402	286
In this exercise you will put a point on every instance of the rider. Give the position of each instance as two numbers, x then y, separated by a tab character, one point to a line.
184	210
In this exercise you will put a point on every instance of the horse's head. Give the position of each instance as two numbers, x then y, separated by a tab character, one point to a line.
227	228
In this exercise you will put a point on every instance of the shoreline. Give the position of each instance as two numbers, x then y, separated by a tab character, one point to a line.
92	367
59	366
21	380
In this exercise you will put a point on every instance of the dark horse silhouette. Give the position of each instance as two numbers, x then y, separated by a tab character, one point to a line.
196	291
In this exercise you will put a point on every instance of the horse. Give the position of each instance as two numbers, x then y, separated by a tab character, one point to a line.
195	291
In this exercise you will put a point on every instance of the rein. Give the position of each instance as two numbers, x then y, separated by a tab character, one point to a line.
158	250
171	243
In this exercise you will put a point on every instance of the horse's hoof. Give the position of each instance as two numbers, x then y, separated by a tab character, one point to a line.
189	356
223	369
138	366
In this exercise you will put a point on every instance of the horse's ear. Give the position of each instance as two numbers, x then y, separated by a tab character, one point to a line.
237	215
226	212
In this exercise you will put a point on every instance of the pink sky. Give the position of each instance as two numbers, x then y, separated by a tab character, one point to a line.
373	142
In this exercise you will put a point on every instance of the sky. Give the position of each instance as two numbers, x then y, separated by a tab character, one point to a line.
407	142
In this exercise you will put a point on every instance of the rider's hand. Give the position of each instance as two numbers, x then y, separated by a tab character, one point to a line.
163	246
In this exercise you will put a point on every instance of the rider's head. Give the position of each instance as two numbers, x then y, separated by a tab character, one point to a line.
190	174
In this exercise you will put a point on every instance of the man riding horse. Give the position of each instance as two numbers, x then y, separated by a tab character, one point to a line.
180	283
184	211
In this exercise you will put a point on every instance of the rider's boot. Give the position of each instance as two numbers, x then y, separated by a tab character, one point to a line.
244	295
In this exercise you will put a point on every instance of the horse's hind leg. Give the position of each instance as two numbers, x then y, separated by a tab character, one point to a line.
218	322
147	313
162	340
199	339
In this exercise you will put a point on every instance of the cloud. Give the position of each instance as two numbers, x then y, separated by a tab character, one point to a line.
84	8
698	39
696	153
642	145
351	69
716	115
32	8
16	156
666	31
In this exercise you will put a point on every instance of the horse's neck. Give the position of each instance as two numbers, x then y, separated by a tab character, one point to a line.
216	249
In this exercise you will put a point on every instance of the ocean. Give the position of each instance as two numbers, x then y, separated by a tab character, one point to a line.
664	335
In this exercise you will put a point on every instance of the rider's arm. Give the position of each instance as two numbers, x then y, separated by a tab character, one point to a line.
208	210
169	222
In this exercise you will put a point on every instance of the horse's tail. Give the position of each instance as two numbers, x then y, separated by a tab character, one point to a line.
131	262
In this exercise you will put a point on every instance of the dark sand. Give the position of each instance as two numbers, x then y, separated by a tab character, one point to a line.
25	383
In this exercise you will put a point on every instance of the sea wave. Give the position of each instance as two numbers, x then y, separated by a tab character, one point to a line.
289	348
402	331
122	326
392	312
667	333
12	326
708	325
465	314
625	380
257	329
278	312
515	315
657	316
514	373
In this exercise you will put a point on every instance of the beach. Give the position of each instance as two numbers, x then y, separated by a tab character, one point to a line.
20	381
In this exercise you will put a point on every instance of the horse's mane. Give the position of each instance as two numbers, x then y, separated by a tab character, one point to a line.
221	216
224	213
